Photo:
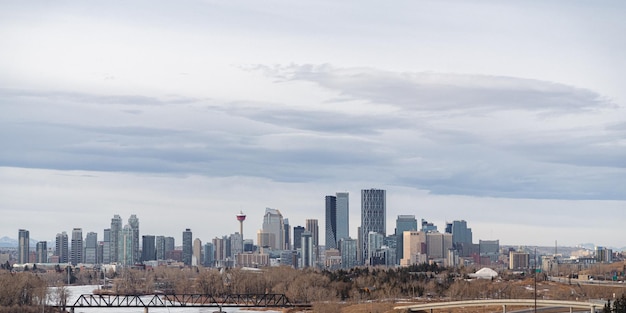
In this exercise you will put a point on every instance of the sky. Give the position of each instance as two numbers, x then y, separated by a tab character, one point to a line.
510	115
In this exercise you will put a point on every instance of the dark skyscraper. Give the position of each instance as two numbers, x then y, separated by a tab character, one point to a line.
91	248
373	212
148	250
343	216
187	246
297	236
42	252
331	222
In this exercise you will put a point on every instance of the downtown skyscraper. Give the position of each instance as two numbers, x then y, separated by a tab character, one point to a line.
23	246
373	216
115	230
187	246
62	248
77	246
336	219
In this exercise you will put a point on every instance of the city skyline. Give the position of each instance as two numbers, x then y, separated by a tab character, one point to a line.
509	115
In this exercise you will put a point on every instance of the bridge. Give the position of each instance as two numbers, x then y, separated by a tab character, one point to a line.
182	300
504	303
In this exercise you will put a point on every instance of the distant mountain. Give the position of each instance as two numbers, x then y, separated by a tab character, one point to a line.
6	242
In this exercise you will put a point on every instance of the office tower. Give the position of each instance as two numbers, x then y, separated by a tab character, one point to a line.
42	252
236	244
313	227
62	248
490	249
343	215
359	246
209	255
126	247
220	249
196	258
23	246
403	223
248	245
116	228
331	222
437	245
187	247
148	248
297	236
348	253
373	212
428	227
133	222
77	246
414	250
307	249
106	246
99	253
170	244
461	237
91	248
287	237
273	224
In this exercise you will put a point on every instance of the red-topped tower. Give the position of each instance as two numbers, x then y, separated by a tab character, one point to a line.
241	217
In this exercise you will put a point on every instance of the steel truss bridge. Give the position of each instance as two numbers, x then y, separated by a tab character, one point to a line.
571	305
183	300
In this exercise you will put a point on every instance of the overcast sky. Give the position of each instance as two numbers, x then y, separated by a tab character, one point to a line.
510	115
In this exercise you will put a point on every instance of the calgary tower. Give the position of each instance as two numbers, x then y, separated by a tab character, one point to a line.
241	217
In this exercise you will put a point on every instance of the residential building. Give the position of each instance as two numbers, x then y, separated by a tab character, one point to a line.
125	248
116	228
307	259
62	248
209	255
106	246
159	243
348	248
133	222
519	260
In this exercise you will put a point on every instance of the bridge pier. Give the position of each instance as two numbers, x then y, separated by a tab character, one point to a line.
504	308
145	310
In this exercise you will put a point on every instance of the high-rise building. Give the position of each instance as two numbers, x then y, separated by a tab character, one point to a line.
403	223
91	248
461	237
236	244
373	215
312	226
519	260
273	224
187	246
437	245
287	236
116	228
348	253
220	249
196	259
42	252
209	255
148	248
343	215
160	247
106	246
331	222
297	236
125	246
374	242
170	245
307	249
62	248
428	227
133	222
77	246
490	249
23	246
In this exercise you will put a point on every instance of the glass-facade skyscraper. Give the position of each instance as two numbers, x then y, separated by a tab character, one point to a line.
343	215
91	248
373	216
62	248
23	246
148	248
331	222
116	228
403	223
133	222
187	246
77	246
